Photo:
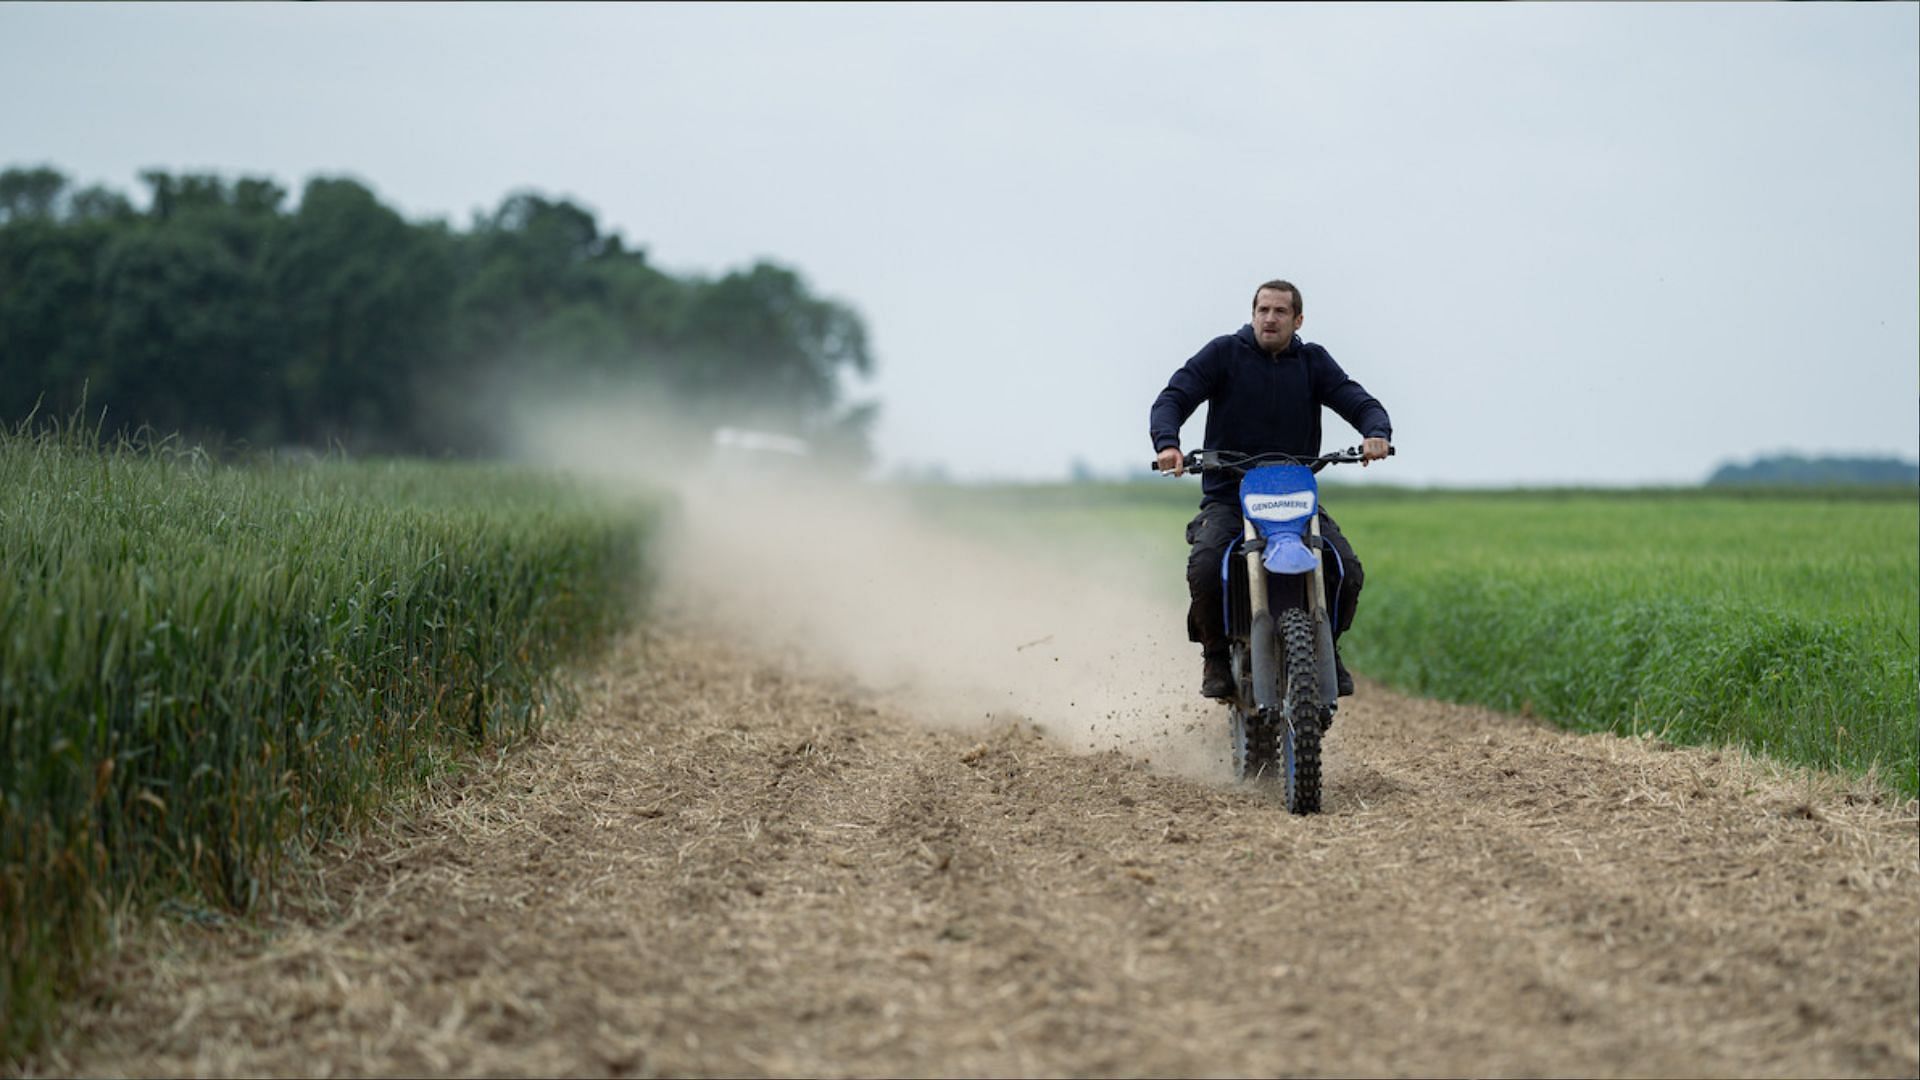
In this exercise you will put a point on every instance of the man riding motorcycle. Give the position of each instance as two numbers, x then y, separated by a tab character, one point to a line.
1264	388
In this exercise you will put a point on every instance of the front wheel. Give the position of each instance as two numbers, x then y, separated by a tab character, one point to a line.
1297	735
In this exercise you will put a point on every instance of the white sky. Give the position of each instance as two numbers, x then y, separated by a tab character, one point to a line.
1603	243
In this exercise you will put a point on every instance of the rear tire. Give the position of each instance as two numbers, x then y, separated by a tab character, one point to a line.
1252	734
1253	745
1297	735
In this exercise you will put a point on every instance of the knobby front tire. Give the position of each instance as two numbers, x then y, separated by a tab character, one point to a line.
1297	735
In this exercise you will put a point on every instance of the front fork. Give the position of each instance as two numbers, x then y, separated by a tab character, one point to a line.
1263	651
1322	622
1260	636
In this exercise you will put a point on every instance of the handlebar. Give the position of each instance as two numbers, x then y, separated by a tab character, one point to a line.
1199	461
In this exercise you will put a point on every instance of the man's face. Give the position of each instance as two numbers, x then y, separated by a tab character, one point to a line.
1274	319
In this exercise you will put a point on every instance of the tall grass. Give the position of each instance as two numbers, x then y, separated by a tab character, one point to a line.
1785	621
203	667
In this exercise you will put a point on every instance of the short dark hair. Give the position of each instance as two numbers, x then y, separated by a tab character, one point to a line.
1277	285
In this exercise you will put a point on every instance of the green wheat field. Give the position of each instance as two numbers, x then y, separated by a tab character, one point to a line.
204	669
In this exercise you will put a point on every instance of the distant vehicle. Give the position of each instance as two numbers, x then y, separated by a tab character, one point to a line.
728	439
744	453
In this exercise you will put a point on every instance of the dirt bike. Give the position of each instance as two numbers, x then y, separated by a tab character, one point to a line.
1281	636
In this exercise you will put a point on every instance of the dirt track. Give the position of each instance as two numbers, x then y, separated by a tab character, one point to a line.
729	866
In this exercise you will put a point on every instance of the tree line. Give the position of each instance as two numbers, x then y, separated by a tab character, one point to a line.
1795	470
219	311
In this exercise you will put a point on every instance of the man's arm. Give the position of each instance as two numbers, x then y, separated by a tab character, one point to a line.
1350	400
1191	385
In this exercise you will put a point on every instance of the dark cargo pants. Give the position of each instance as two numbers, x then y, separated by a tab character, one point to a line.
1217	526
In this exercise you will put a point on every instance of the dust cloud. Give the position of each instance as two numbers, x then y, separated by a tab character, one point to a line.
843	576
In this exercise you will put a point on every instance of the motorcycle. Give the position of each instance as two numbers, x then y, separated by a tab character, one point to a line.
1280	636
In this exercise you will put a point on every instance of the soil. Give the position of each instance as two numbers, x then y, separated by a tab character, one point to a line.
767	854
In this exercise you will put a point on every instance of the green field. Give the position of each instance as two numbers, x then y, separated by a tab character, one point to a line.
1782	621
205	668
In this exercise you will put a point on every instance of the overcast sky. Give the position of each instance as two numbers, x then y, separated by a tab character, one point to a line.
1604	243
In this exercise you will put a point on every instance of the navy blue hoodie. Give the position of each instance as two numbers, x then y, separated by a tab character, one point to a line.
1260	402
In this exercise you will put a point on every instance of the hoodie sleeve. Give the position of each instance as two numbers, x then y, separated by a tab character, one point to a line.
1194	383
1337	391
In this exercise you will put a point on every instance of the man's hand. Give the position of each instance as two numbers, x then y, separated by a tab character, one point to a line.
1170	460
1372	450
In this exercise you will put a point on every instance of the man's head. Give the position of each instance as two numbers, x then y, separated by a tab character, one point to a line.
1277	313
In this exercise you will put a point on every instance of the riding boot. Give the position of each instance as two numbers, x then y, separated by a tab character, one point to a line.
1216	676
1341	677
